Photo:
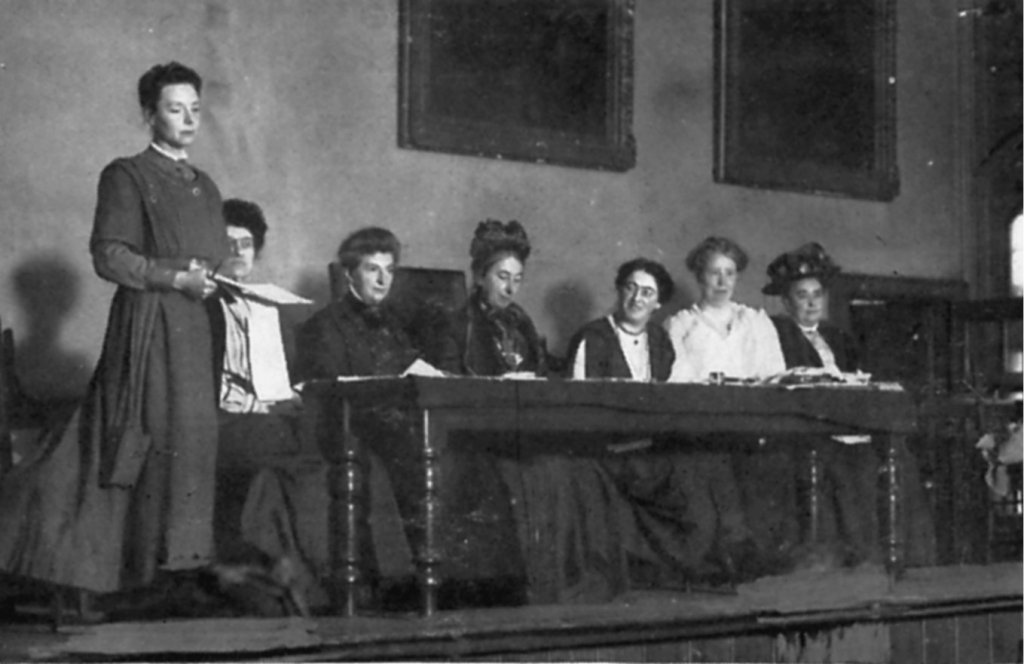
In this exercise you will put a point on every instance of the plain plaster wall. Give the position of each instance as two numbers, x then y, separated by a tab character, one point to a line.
300	116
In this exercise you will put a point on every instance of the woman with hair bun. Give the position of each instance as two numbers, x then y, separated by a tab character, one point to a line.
490	336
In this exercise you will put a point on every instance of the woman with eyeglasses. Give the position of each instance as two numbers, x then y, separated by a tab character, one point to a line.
627	504
624	344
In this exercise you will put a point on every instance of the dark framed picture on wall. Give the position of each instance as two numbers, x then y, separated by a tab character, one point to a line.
805	96
547	81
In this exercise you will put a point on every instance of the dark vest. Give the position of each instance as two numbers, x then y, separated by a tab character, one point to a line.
605	358
799	352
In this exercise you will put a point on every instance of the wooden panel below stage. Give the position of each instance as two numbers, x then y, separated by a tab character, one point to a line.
967	615
987	638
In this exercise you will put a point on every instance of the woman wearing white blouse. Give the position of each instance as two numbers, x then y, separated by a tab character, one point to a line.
718	335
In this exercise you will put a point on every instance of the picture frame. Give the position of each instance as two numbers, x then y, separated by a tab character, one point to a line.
805	96
544	81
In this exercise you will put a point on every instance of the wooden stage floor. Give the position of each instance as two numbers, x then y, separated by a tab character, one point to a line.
807	601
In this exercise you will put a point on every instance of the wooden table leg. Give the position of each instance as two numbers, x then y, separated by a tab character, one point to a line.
814	494
893	537
351	502
429	556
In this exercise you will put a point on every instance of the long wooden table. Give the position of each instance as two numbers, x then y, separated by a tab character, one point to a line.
444	405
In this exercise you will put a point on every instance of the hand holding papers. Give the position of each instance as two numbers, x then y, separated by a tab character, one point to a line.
268	293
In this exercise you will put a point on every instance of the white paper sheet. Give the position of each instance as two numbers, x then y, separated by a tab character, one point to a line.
266	354
268	293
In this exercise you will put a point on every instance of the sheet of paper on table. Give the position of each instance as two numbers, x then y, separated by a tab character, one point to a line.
421	368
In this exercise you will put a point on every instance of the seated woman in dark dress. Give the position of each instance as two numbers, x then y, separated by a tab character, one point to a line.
644	529
490	336
287	513
848	521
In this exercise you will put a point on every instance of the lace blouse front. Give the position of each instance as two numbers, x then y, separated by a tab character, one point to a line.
748	347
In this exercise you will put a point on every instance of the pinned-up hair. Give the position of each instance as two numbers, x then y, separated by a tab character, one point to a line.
153	82
247	215
697	260
366	242
493	239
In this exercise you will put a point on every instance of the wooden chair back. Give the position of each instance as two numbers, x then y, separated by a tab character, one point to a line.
6	393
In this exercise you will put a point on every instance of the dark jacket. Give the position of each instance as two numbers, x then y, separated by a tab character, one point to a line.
799	352
349	338
604	354
469	343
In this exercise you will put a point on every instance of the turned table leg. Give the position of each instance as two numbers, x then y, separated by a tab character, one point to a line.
893	536
814	494
429	556
351	497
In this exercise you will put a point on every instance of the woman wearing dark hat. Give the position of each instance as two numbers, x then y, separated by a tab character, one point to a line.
801	279
848	521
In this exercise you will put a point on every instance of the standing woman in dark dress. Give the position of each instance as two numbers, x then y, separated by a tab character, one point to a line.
125	490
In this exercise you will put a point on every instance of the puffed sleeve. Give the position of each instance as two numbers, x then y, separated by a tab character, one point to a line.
118	235
683	370
770	360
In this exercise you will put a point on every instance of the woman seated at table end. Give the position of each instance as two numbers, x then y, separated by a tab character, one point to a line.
848	523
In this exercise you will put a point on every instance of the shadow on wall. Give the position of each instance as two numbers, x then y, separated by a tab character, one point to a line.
47	289
315	284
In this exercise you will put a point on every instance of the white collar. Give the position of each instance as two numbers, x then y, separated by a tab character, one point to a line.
168	154
807	330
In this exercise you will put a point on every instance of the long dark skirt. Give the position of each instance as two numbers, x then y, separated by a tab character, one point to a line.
58	524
